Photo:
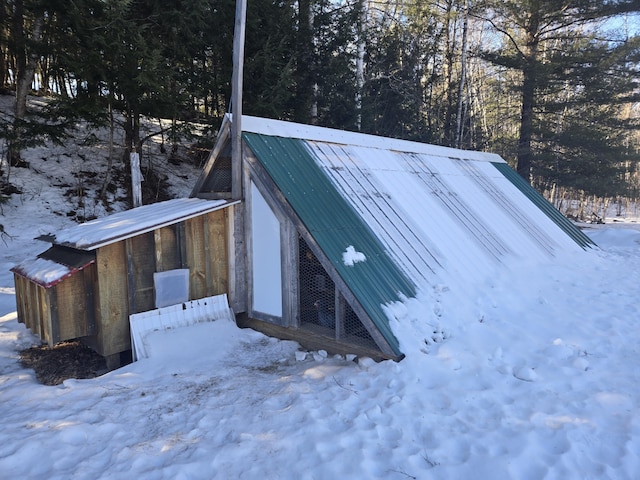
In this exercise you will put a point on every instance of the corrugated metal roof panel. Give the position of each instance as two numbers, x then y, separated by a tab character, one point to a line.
440	218
438	215
279	128
335	225
126	224
47	272
560	220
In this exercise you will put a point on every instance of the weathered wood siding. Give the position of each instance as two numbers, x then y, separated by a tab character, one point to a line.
167	249
218	251
196	257
64	311
141	263
207	254
72	305
113	300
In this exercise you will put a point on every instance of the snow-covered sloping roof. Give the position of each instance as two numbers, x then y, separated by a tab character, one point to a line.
441	213
436	209
54	265
45	273
129	223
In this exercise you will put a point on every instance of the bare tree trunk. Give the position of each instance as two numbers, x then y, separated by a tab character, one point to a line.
529	81
26	64
107	178
463	74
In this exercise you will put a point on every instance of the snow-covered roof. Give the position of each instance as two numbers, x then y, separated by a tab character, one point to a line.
45	272
279	128
441	214
129	223
438	211
420	214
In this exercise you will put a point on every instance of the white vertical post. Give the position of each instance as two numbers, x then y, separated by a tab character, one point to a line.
236	99
136	179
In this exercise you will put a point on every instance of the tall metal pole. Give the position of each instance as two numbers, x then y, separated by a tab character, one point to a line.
236	99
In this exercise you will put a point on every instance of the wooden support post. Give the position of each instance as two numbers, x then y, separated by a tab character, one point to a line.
236	99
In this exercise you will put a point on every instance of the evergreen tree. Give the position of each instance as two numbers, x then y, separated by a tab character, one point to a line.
535	32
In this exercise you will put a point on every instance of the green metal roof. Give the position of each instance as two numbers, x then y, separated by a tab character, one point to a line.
335	225
560	220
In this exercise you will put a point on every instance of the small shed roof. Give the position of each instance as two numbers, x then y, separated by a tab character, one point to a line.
54	265
129	223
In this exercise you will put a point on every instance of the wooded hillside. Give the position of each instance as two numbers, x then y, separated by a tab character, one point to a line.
551	85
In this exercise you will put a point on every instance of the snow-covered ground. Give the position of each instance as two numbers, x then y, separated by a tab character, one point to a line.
533	374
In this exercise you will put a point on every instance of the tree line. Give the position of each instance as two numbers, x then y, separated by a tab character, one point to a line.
551	85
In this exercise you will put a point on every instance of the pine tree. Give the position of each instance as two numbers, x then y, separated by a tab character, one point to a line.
535	31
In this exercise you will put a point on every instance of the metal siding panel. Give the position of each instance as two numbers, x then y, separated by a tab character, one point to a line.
335	225
560	220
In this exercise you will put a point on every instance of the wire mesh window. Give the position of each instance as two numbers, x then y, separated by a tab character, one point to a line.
323	309
220	178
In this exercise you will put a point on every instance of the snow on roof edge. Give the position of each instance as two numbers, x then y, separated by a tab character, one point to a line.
46	273
280	128
129	223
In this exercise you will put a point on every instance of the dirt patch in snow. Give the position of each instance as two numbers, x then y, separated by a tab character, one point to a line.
54	365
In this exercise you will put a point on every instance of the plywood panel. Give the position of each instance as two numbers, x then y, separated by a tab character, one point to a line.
196	258
217	224
112	300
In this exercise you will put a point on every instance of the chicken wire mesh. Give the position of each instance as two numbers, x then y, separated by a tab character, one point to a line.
220	178
322	309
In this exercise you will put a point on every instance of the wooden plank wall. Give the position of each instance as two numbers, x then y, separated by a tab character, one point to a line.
196	256
33	308
142	264
207	254
167	251
112	310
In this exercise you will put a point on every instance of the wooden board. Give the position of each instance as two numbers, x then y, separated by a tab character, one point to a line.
112	300
141	263
310	340
74	305
196	259
217	236
166	247
21	300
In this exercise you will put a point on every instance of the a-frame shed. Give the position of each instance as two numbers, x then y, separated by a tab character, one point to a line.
335	225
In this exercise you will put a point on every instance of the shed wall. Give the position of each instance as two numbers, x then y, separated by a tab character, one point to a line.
95	303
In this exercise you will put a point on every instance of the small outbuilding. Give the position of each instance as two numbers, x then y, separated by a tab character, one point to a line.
98	273
310	232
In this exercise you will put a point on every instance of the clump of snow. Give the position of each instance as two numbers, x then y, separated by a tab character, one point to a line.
350	256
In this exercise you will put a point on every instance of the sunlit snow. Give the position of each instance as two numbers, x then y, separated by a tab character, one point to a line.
530	373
